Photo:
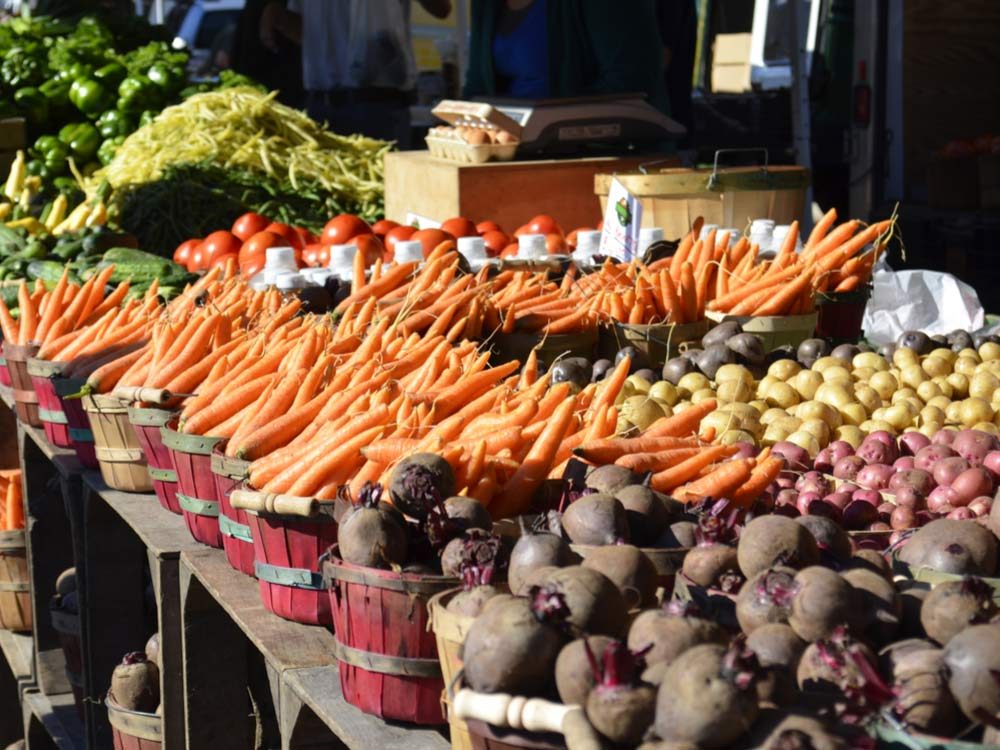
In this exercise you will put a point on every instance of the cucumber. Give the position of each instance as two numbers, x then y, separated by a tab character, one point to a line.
49	271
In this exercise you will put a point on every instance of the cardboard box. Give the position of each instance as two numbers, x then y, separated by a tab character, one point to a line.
731	63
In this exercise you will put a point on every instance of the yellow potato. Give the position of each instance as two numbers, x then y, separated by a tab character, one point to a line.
869	397
913	375
932	414
781	395
736	436
971	353
772	415
702	395
869	360
733	372
875	425
720	420
638	384
759	406
693	381
989	350
667	409
641	411
863	374
823	363
743	411
765	384
806	383
789	423
903	357
989	427
928	390
784	369
818	410
930	429
944	385
953	414
946	354
902	394
966	366
898	416
853	414
850	434
973	410
819	429
959	385
991	365
982	385
915	405
837	374
774	434
884	384
834	394
664	391
936	366
625	428
805	440
734	390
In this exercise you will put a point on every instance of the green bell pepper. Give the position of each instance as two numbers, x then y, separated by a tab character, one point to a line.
89	96
21	67
55	158
76	71
82	139
43	144
114	123
107	150
35	167
56	92
167	77
111	74
146	117
137	93
33	103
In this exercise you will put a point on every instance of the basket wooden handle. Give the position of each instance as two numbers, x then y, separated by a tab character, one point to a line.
268	502
141	393
531	714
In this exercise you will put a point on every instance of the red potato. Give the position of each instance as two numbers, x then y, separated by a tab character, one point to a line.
796	457
848	467
910	443
992	462
944	437
918	479
948	469
961	514
970	484
860	515
875	476
941	500
875	451
974	445
981	506
926	458
903	518
908	497
814	481
904	463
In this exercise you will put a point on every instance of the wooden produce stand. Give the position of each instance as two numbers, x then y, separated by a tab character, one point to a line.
508	192
233	673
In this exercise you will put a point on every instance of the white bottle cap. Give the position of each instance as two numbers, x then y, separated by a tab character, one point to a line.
531	246
647	236
473	248
761	224
281	258
734	234
588	242
705	229
342	256
407	251
290	280
317	276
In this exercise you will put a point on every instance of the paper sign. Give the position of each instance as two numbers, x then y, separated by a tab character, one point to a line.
622	219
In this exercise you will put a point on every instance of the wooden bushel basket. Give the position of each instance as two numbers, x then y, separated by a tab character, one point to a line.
76	420
25	398
133	730
388	658
123	464
841	314
287	551
518	345
4	373
773	330
666	560
67	626
234	526
196	494
50	409
483	736
450	630
15	590
659	342
147	424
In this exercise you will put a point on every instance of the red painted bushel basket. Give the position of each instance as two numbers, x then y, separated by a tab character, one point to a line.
148	424
50	409
25	398
287	552
387	654
234	526
196	492
134	730
4	373
77	420
841	314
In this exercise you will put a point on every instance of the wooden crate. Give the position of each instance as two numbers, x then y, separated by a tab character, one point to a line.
509	193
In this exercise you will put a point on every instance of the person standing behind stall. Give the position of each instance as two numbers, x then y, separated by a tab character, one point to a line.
538	49
358	67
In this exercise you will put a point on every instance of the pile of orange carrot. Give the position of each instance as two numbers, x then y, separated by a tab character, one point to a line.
639	295
11	504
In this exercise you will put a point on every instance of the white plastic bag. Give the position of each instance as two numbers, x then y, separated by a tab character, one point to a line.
926	301
380	53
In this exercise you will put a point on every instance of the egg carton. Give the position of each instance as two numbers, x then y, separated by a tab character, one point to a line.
453	149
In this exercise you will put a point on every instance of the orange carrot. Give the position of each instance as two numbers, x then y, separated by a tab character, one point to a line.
822	227
683	423
672	478
643	462
225	406
609	450
720	482
765	472
778	303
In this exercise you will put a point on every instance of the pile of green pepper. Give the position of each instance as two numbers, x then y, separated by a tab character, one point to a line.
82	90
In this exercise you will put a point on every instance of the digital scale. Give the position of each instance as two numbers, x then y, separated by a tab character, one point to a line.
612	123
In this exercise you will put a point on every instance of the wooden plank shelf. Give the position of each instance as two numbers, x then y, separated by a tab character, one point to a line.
17	649
53	718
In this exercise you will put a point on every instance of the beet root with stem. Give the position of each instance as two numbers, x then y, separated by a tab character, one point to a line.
629	569
533	551
619	706
135	683
671	630
574	671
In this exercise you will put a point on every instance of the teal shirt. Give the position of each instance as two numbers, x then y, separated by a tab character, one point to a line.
594	47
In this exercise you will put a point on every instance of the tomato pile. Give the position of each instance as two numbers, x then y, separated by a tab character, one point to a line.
247	241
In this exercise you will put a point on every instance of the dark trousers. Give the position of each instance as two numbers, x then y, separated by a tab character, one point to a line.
382	115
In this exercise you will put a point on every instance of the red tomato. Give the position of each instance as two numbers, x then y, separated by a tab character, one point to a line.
544	224
510	251
219	243
402	232
459	227
310	255
554	244
248	225
252	269
220	261
340	229
254	250
292	238
369	246
431	238
488	226
495	241
571	237
523	229
198	262
305	236
182	255
382	227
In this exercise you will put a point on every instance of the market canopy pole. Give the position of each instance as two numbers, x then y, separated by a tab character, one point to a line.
801	123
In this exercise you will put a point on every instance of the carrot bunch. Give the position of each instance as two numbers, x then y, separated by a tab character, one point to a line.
529	301
639	295
838	254
11	505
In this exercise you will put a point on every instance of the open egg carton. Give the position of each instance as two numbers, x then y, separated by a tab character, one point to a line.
476	133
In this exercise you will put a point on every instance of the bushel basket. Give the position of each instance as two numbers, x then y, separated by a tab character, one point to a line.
25	398
234	525
50	409
196	493
134	730
77	421
119	453
148	424
387	654
15	590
